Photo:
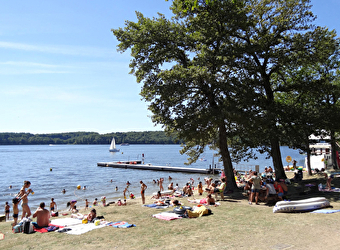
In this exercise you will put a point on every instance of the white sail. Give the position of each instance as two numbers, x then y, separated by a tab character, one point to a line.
113	146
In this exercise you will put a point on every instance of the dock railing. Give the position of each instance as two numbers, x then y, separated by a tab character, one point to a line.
242	168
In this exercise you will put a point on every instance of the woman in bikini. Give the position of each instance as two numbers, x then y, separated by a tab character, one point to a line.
22	195
143	187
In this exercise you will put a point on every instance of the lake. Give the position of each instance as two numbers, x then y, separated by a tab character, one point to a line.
51	168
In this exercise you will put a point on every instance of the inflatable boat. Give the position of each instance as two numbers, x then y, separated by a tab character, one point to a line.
301	205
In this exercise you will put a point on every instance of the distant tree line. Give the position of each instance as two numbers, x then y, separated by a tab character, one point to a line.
147	137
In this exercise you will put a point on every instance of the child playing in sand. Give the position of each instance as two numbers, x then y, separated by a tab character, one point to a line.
7	210
103	200
72	205
124	192
53	205
95	202
15	211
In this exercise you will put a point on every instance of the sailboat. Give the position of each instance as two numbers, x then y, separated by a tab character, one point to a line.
113	146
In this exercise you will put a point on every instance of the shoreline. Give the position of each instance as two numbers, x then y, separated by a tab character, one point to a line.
231	218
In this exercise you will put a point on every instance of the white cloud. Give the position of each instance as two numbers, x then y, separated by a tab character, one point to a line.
23	67
60	49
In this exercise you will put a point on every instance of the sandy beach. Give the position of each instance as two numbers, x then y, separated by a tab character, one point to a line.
233	225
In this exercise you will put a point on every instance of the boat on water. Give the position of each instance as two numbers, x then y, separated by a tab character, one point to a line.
113	146
125	144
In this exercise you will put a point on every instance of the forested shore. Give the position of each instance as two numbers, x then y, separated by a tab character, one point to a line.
146	137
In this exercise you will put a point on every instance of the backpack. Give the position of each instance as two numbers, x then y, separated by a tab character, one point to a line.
27	227
17	229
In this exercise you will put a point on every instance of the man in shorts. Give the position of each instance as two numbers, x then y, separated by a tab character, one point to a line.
43	216
143	187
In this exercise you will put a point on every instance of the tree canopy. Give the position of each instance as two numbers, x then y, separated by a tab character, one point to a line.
146	137
219	71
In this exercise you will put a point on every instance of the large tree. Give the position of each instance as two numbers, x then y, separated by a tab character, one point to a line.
313	96
210	73
182	74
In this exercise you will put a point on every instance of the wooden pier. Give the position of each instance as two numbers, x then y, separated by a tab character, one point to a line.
138	165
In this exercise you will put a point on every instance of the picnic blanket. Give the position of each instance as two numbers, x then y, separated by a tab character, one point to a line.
325	211
121	224
156	206
50	228
167	216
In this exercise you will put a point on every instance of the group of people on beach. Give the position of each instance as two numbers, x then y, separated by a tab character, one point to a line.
264	188
211	188
42	214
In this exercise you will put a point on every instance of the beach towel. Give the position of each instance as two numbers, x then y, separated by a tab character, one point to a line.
50	228
156	206
333	189
198	212
325	211
121	224
65	222
167	216
82	228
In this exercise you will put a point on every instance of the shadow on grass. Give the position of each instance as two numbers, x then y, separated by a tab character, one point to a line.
307	188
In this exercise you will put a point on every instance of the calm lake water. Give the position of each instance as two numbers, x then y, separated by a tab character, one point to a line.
74	165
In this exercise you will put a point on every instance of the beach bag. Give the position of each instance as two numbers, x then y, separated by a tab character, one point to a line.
54	214
28	227
181	209
17	229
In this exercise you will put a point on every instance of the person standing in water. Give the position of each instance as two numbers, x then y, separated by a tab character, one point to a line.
143	187
161	184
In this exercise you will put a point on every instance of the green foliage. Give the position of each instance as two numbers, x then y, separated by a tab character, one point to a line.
224	70
147	137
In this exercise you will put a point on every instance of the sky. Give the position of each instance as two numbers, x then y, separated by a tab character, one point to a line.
60	70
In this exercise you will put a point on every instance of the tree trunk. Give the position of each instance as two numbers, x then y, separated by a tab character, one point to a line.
277	160
333	147
309	169
227	164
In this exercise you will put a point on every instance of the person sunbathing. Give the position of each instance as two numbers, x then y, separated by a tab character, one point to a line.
175	203
157	196
209	200
92	215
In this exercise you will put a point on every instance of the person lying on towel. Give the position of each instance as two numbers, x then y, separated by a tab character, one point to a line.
199	211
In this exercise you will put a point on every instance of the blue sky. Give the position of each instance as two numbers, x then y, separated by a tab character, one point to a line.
60	70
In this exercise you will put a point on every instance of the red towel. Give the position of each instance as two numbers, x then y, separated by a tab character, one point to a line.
50	228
